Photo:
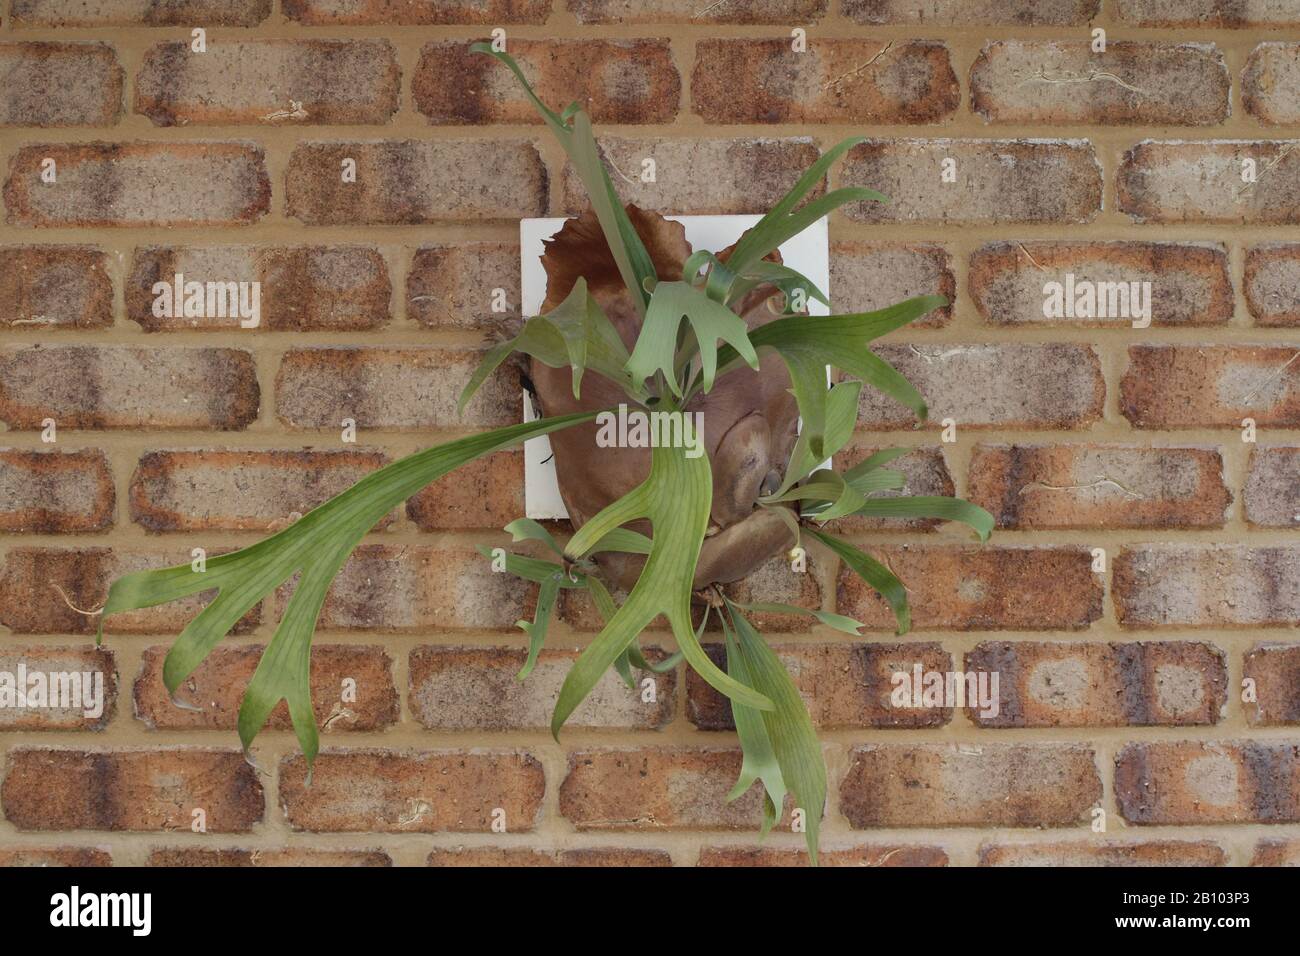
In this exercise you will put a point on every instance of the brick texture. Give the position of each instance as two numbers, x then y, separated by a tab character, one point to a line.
454	286
1272	494
67	688
54	288
1173	386
1196	782
983	12
1272	272
290	856
1195	586
77	13
480	856
1153	182
867	276
55	492
1275	669
331	12
1111	853
60	84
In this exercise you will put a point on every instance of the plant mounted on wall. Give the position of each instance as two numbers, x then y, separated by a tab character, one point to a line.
630	302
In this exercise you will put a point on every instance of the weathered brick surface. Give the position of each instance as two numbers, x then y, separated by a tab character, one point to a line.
1206	586
117	387
486	493
616	81
776	582
55	492
59	84
1021	785
1185	386
347	82
1231	14
55	856
1110	853
54	288
1099	486
984	587
778	12
1276	853
209	698
473	688
64	688
1132	83
302	288
287	856
875	855
1190	781
1091	684
1275	669
991	12
139	184
1272	283
997	181
398	12
1190	284
924	473
992	386
394	791
1272	494
179	13
833	81
1268	83
522	856
1174	182
410	182
218	490
700	176
159	789
454	286
869	275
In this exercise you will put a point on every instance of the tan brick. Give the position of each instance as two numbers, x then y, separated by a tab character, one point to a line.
407	182
750	80
455	286
1276	853
1207	13
404	791
293	82
1185	386
1057	385
1188	781
47	789
31	579
701	177
54	492
139	184
54	288
1268	83
1110	853
1086	684
475	688
403	13
1275	669
842	685
209	698
1201	182
397	388
992	12
189	856
1272	493
116	387
1130	84
662	788
486	493
227	490
1004	785
875	855
924	473
1099	486
1190	285
491	856
1272	284
174	13
982	588
55	856
60	84
1197	586
73	683
866	276
615	81
1055	181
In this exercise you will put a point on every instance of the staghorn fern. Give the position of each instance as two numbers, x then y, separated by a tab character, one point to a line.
670	364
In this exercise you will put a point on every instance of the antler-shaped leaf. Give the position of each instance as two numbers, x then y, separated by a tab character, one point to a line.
656	345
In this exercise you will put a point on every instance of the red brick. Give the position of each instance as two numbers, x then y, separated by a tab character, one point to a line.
209	698
278	857
1199	782
1056	181
866	276
489	856
1196	586
486	493
1275	669
1276	853
924	472
1002	785
1110	853
404	13
117	387
875	855
1201	182
90	694
174	13
1099	486
408	182
475	688
223	490
55	856
139	184
294	82
1185	386
397	791
1272	493
454	286
1207	13
1272	284
1190	285
60	84
982	588
748	80
1078	684
47	789
703	177
1130	84
53	492
1057	385
616	81
54	287
992	12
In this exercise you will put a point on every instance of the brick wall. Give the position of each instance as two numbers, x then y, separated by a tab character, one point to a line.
1121	689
